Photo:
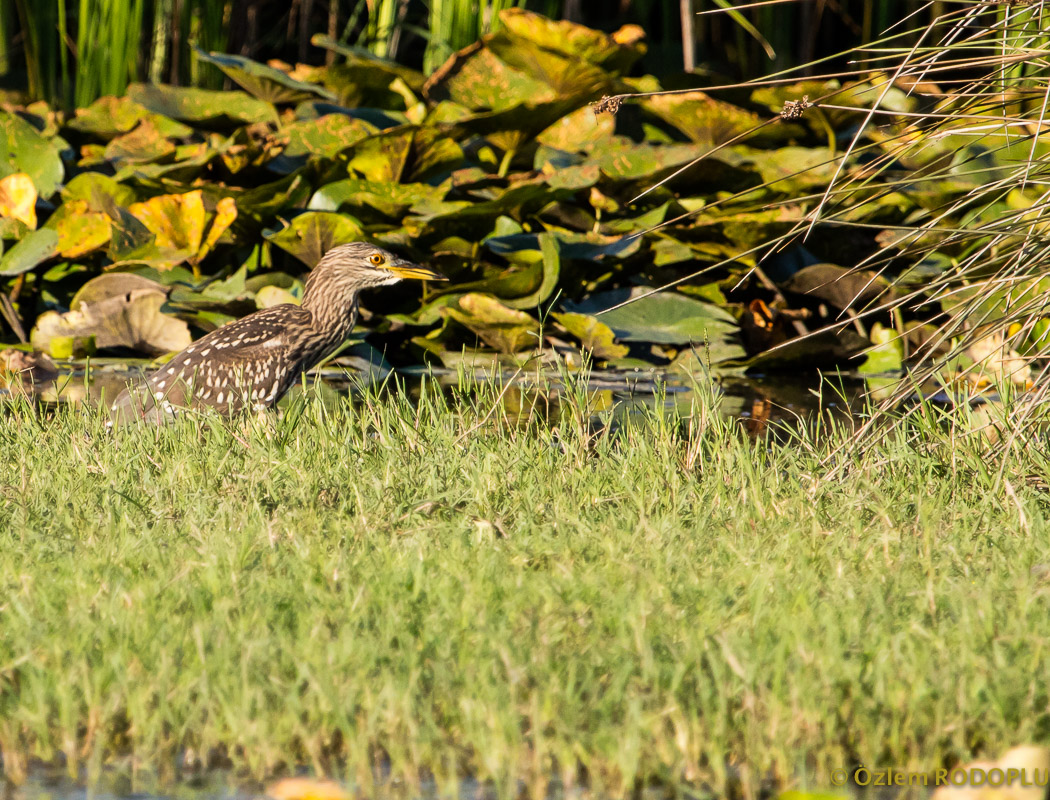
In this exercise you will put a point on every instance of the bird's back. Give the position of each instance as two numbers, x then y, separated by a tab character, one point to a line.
250	362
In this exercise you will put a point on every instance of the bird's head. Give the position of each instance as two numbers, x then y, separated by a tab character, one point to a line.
359	265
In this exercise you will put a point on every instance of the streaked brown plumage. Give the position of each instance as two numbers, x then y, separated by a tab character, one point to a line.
252	362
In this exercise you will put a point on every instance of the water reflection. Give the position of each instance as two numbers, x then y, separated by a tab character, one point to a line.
525	397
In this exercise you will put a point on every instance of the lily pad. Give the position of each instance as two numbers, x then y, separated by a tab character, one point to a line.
201	105
389	199
80	230
100	191
579	131
23	149
663	318
477	79
582	246
264	82
593	334
567	75
143	145
702	118
615	52
35	247
325	136
309	236
109	117
505	329
18	198
382	157
622	159
887	353
118	310
175	220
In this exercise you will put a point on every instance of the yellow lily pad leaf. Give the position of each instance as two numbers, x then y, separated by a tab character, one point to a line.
80	230
498	326
593	334
225	214
18	198
270	296
176	220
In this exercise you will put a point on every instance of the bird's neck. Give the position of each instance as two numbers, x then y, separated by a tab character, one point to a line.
332	319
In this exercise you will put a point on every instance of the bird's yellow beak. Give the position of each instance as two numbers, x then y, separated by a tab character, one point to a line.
416	272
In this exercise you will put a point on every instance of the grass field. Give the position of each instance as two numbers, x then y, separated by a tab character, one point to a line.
425	585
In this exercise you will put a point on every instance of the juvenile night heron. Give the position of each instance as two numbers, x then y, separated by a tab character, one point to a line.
252	362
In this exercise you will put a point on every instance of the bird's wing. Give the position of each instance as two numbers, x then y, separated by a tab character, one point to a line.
236	355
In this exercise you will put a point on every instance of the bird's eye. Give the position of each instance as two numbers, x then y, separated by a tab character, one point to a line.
376	259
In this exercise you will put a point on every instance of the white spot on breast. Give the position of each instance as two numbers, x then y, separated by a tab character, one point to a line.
219	398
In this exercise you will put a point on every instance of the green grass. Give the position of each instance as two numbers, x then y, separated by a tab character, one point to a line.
426	582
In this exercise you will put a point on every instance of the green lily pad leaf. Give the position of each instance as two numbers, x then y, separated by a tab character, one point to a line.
264	82
429	313
582	246
615	52
201	105
519	201
23	149
382	157
568	75
141	146
99	191
622	159
581	176
702	118
579	131
35	247
80	230
435	156
120	310
778	167
510	128
531	278
325	136
840	287
505	329
887	355
359	57
663	318
109	117
389	199
12	229
217	293
280	280
476	79
309	236
700	357
593	334
264	202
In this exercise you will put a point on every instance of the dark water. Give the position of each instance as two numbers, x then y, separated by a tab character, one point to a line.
756	401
